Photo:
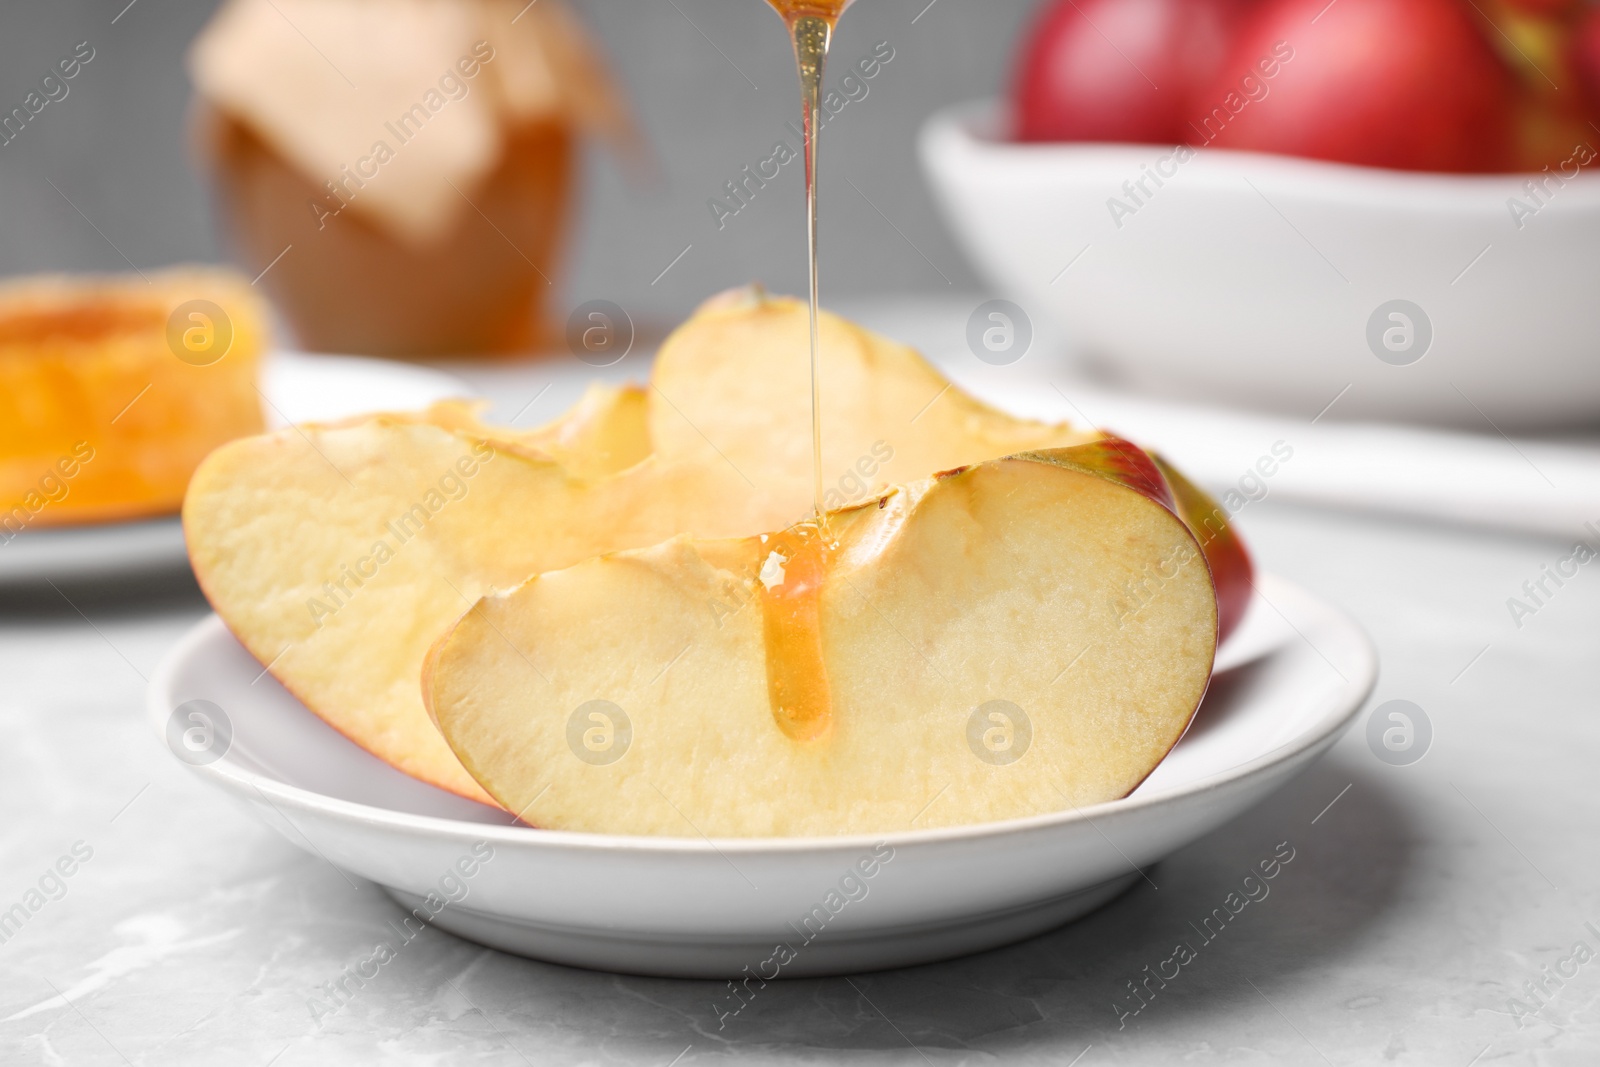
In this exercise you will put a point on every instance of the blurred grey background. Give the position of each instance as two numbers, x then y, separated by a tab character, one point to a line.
712	83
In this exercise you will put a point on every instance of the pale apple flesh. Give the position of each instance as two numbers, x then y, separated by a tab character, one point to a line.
337	554
605	432
965	621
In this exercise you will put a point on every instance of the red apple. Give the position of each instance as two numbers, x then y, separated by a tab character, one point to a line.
1119	70
1408	84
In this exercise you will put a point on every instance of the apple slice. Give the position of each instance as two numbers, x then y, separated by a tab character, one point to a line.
735	386
956	651
733	389
337	554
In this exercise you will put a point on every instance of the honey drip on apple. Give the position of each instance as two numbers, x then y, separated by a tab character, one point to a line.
794	565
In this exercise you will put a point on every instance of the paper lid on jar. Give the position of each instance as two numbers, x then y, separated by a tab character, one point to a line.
415	98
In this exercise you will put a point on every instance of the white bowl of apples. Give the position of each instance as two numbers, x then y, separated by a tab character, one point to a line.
1287	223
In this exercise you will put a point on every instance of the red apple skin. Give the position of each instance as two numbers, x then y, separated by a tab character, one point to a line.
1120	461
1118	70
1232	572
1402	84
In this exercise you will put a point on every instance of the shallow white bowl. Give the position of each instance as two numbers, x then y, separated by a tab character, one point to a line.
1252	278
711	908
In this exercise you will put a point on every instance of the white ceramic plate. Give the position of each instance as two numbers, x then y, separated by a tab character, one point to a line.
1246	278
710	908
298	388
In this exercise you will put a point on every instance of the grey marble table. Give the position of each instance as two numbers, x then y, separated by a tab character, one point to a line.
1431	915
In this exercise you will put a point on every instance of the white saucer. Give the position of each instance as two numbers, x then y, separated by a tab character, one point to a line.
298	388
711	908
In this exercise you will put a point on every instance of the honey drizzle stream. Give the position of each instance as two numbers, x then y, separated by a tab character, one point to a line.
812	35
794	563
